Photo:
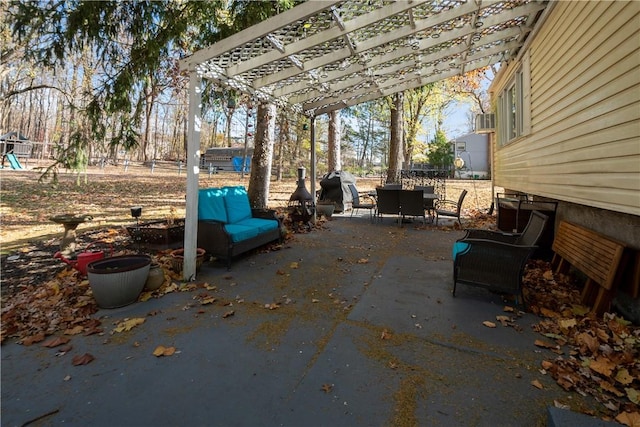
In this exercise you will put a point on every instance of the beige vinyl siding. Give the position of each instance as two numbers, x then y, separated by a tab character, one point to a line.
584	144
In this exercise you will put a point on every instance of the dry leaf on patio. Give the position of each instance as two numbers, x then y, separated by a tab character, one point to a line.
164	351
385	335
327	388
623	377
363	261
504	320
293	265
128	324
55	342
207	300
537	384
489	324
610	388
633	395
33	339
567	323
82	360
544	344
74	331
602	366
228	314
271	306
631	419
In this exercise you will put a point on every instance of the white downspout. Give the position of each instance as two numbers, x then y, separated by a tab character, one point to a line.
193	172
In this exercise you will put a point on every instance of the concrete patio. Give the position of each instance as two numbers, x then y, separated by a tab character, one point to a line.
351	325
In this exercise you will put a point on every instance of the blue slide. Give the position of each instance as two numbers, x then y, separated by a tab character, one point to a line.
13	161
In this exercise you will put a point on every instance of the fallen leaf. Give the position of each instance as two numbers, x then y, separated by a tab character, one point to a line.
327	388
67	378
537	384
504	320
208	300
128	324
293	265
633	395
55	342
623	377
271	306
228	314
610	388
489	324
74	331
546	365
631	419
33	339
602	366
82	360
508	309
544	344
315	300
363	261
385	335
159	351
567	323
169	351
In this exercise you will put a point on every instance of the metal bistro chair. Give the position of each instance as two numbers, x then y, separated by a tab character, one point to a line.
356	204
441	211
496	260
388	202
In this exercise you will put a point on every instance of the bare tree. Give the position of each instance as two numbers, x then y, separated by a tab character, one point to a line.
395	141
334	163
259	180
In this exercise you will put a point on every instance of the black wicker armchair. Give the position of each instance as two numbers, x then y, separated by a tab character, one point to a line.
496	260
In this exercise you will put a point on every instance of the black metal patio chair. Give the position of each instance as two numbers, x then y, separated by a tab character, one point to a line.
443	210
357	204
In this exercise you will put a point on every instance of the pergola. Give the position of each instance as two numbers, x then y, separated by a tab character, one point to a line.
326	55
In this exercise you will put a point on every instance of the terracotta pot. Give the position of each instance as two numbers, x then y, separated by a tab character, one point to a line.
177	259
155	278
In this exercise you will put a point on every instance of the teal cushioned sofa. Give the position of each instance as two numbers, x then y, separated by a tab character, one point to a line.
227	226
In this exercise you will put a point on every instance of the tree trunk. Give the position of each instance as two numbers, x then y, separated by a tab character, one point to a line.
333	159
262	156
395	145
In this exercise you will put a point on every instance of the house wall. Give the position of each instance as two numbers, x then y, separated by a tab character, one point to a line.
582	147
475	155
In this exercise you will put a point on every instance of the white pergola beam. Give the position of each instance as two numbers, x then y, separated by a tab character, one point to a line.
397	53
268	26
324	36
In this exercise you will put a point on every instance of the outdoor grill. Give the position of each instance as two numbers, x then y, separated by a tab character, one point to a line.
301	205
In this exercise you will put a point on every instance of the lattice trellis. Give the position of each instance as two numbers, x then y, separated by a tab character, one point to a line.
329	54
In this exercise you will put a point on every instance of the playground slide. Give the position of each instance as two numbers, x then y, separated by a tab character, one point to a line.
13	161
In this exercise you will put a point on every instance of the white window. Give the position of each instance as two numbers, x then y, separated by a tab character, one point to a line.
513	106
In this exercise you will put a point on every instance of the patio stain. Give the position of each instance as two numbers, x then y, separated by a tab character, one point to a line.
406	401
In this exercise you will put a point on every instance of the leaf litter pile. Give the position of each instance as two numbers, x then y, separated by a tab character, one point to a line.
587	355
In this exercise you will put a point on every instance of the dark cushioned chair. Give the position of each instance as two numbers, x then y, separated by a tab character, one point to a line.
496	260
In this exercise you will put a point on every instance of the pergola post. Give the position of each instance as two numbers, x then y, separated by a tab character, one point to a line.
312	179
193	173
